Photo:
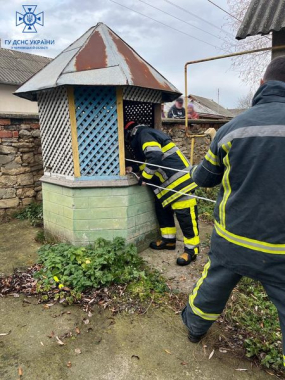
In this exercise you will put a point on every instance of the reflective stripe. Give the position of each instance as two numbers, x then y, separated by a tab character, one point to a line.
160	177
194	222
152	149
175	196
170	152
284	360
141	167
256	245
180	205
173	185
192	243
151	144
168	232
212	158
170	180
147	176
196	310
227	191
149	171
168	147
254	131
185	162
227	147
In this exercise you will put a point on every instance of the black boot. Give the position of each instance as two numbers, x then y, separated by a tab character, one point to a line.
186	259
169	244
195	338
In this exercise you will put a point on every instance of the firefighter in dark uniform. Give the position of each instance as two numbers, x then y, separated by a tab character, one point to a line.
156	148
247	157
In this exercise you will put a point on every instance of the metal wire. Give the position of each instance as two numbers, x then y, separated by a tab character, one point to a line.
174	191
158	166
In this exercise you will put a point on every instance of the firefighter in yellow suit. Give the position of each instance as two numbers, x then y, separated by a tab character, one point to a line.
155	148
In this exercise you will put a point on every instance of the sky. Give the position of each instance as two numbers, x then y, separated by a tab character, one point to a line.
166	47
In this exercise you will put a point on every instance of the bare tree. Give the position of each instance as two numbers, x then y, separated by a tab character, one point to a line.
250	67
245	102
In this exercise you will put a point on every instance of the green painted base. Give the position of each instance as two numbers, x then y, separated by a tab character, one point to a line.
80	216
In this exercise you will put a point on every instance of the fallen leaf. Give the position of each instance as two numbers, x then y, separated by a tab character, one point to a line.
77	351
223	350
184	363
211	354
89	314
4	334
15	295
168	352
42	344
241	369
20	371
60	342
135	357
86	321
77	330
51	335
69	364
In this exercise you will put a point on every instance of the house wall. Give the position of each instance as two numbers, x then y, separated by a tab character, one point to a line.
20	163
10	103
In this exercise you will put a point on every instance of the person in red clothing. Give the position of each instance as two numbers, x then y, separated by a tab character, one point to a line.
191	112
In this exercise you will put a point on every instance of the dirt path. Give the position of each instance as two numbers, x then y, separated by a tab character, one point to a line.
128	347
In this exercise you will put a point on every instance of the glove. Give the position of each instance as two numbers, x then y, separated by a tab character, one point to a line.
141	182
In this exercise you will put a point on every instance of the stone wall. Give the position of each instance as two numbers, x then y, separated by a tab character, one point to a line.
176	130
20	162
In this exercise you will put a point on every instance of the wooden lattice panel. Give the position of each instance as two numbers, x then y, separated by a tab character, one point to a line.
97	131
56	131
140	112
139	94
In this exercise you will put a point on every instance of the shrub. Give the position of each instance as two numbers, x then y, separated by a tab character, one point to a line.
33	213
105	263
206	209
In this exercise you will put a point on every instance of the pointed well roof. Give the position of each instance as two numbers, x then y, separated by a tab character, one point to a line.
99	57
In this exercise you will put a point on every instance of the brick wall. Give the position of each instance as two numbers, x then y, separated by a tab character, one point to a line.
80	216
176	130
20	163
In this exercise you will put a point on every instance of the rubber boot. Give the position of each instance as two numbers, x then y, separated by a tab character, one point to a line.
168	244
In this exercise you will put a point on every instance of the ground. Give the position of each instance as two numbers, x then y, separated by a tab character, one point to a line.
100	346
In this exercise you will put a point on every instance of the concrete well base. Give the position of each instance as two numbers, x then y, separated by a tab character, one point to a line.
81	215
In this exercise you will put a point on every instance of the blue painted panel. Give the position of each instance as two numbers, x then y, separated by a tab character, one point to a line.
97	132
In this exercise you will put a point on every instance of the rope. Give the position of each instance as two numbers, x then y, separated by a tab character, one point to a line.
174	191
158	166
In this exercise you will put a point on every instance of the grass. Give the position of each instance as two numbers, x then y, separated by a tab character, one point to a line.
206	209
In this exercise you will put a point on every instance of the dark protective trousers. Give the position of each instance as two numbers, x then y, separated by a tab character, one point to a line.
187	215
211	293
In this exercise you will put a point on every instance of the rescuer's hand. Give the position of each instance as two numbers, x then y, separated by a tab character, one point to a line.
141	182
211	132
129	169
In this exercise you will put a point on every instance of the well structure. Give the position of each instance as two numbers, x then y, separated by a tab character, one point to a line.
86	95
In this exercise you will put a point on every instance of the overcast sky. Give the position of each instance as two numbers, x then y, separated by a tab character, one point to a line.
164	48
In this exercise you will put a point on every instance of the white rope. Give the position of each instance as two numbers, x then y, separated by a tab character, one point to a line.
158	166
174	191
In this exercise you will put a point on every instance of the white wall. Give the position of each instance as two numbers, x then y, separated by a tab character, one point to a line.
10	103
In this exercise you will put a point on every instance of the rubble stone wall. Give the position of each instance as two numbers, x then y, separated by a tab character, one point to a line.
176	130
20	163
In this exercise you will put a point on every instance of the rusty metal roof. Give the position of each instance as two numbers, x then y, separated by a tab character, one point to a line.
99	57
262	17
17	67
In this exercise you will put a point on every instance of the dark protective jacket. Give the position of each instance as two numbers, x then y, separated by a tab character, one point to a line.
176	113
248	157
156	148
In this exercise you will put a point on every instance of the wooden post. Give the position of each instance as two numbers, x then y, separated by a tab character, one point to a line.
157	116
120	116
72	115
278	39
